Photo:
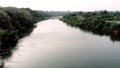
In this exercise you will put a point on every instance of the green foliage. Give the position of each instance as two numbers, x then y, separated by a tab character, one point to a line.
37	16
16	23
102	21
4	20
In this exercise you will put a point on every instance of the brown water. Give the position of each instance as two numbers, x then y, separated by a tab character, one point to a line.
53	44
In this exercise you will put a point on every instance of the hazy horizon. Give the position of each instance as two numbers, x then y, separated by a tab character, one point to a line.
64	5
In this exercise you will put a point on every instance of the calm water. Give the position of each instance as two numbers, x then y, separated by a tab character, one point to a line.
53	44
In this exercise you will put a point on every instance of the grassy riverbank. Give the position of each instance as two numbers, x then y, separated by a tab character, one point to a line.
103	22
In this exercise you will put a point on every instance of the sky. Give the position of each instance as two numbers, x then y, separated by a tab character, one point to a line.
64	5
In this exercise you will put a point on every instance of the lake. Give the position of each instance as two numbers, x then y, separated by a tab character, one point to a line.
54	44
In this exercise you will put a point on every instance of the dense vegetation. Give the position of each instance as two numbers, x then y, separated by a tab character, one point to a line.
14	24
102	22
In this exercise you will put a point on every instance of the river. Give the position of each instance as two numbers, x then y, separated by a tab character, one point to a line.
54	44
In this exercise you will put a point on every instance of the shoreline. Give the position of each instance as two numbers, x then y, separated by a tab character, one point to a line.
95	26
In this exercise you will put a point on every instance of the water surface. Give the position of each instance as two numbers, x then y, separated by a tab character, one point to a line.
53	44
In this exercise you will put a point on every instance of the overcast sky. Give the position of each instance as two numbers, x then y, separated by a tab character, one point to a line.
64	5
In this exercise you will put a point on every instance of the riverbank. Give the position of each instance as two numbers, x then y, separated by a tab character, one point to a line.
101	24
15	23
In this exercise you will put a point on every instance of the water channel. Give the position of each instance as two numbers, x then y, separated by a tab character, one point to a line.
54	44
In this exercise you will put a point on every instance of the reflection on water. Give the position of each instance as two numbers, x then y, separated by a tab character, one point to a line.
112	37
53	44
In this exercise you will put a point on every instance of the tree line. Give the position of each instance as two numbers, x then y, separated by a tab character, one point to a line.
102	22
